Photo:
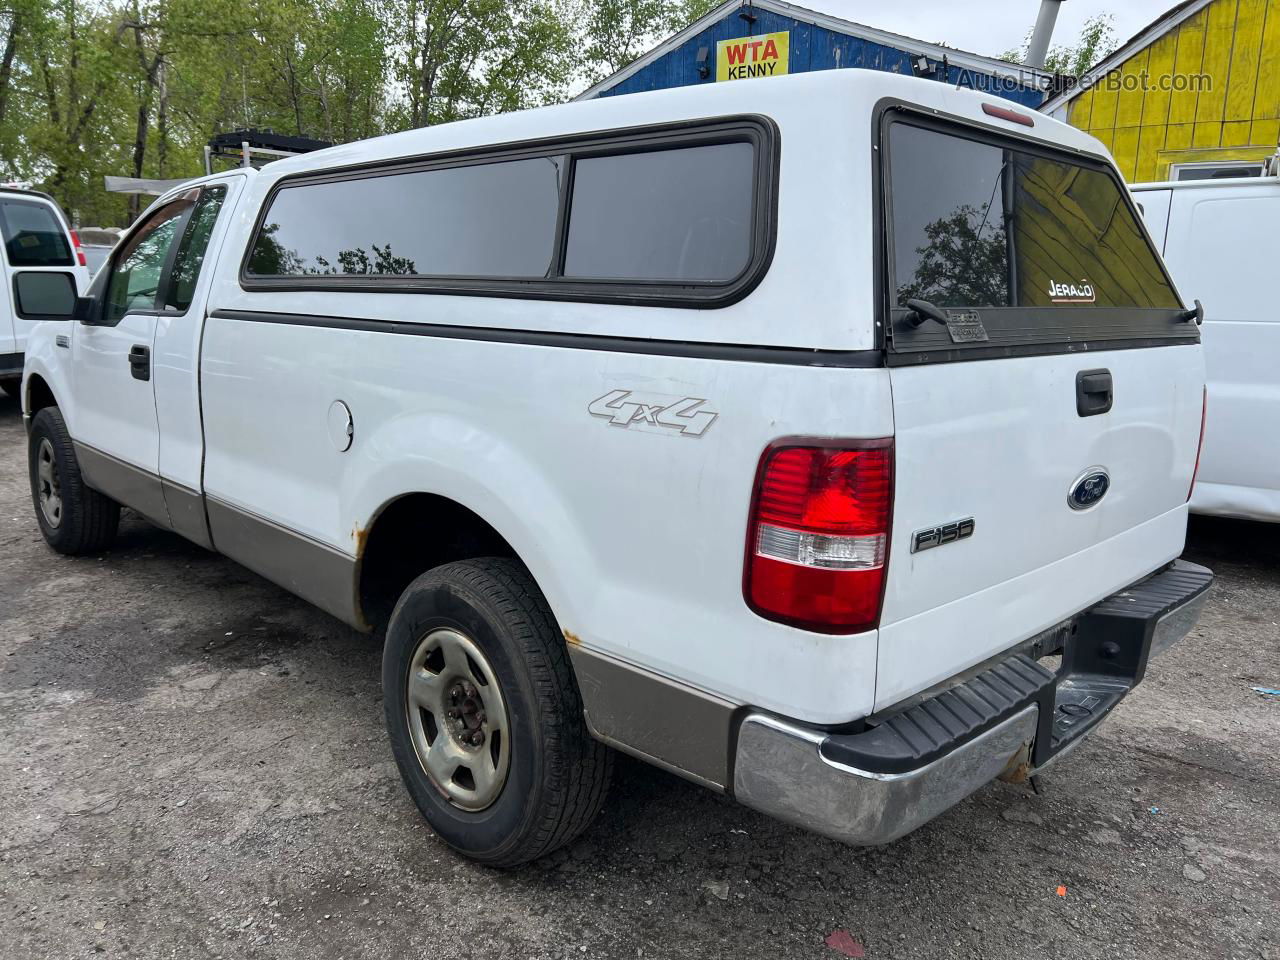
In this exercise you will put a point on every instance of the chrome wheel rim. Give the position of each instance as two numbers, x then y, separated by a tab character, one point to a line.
458	719
48	486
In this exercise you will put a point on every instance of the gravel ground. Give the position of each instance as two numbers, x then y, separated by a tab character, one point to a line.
192	764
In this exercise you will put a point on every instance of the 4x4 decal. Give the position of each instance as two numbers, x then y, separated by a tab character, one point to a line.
653	411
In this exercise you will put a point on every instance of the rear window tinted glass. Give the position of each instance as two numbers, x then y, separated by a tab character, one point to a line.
676	215
979	225
484	220
33	235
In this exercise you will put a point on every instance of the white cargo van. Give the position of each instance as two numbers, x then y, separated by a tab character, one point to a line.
44	271
774	433
1219	239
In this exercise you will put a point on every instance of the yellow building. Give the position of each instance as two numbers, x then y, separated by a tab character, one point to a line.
1194	95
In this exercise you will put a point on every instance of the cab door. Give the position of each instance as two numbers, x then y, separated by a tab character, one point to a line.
114	422
176	357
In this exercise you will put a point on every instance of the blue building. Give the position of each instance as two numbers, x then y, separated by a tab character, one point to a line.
741	40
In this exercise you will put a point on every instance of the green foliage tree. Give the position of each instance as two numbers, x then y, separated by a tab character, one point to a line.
619	31
90	88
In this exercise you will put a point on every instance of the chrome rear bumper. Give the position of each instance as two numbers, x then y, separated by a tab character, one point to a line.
782	772
875	786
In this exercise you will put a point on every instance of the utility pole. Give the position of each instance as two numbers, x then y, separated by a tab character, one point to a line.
1038	49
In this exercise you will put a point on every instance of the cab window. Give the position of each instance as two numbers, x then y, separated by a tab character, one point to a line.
136	274
195	242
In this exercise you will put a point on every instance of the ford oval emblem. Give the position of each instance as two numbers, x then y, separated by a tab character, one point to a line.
1091	487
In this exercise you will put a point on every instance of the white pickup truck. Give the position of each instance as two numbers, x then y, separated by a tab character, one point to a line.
825	440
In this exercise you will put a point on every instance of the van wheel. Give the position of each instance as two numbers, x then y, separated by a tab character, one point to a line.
485	717
73	518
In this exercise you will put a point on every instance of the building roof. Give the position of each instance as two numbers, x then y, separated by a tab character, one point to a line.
1148	35
960	58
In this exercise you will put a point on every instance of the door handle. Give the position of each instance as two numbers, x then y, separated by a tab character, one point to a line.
1094	392
140	362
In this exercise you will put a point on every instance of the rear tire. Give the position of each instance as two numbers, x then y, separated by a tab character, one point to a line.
73	518
476	639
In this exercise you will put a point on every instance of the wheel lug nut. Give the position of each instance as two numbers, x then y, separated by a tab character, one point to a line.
453	713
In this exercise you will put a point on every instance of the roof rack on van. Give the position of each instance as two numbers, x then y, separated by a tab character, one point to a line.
253	147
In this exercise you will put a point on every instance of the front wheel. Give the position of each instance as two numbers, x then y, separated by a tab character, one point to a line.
484	714
73	518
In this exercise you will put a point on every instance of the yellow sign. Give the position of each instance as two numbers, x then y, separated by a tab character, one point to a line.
763	56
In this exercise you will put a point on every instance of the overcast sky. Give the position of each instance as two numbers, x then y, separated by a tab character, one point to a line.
987	26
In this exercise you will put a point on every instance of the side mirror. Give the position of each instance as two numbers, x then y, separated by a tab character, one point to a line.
44	295
86	311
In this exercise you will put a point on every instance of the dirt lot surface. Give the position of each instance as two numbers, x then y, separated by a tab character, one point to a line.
192	764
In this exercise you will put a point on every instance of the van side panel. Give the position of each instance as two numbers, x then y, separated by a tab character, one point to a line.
1221	248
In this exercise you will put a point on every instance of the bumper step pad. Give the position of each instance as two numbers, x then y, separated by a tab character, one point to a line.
1112	644
1104	656
921	734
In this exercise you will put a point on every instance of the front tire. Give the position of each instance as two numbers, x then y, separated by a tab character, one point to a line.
73	518
484	714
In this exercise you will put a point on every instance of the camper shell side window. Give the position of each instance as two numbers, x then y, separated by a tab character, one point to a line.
678	215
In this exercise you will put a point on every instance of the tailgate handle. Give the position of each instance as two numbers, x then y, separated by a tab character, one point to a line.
1093	392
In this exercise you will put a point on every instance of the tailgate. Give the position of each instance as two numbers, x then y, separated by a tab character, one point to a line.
1047	421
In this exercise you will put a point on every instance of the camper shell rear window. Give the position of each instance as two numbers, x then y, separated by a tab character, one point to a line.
1026	249
675	215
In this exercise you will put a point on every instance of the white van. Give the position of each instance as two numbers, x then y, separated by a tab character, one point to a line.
44	271
776	433
1219	240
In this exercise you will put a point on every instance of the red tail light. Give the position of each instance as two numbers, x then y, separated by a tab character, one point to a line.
818	536
1204	410
75	242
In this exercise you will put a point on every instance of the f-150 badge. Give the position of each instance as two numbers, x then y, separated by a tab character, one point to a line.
654	412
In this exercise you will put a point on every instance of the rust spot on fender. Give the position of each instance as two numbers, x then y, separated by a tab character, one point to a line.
361	538
572	638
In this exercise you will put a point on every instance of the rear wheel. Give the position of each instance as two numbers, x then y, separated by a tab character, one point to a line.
73	518
485	717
